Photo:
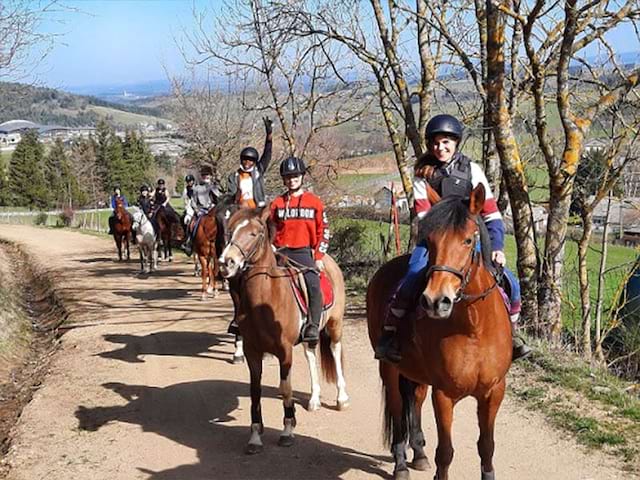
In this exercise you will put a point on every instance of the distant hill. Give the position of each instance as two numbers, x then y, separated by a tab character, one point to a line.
54	107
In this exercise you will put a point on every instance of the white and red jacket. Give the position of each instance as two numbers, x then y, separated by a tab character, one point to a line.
490	213
301	222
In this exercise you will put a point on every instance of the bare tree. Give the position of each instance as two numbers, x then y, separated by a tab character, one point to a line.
211	120
295	79
22	45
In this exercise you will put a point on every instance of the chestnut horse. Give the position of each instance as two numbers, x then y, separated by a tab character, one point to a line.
458	341
270	320
122	228
165	225
205	248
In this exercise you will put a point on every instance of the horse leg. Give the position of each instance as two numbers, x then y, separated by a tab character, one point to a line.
118	245
238	354
341	384
487	410
395	425
153	258
126	239
314	401
257	428
204	271
168	247
443	409
416	436
286	437
211	282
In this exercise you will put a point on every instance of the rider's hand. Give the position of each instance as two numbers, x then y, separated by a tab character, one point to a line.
320	265
498	257
268	125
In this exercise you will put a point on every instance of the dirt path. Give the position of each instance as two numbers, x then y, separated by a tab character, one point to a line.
142	389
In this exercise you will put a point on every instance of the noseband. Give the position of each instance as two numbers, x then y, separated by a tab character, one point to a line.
464	275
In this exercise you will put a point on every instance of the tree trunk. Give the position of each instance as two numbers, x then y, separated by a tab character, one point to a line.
550	281
512	167
599	354
583	274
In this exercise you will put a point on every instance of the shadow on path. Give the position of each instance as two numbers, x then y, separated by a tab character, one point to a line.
185	344
194	414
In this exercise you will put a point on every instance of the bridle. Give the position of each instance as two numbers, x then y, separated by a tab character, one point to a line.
246	257
465	273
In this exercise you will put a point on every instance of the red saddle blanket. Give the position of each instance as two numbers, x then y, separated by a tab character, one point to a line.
301	297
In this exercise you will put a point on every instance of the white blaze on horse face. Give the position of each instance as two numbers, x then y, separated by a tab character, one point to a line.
231	257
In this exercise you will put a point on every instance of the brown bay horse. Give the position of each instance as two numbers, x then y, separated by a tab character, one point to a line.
270	320
458	340
205	248
165	224
122	228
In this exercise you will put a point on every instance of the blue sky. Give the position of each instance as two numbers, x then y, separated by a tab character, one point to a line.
107	42
115	41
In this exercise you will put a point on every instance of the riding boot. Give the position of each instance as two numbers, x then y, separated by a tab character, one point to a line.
186	246
311	332
233	327
388	347
519	348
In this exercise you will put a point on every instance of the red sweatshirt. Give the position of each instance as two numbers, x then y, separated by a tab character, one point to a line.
301	222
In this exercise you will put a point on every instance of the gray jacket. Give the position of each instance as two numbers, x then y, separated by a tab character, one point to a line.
257	176
205	196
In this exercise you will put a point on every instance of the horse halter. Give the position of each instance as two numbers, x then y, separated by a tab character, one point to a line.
464	275
246	257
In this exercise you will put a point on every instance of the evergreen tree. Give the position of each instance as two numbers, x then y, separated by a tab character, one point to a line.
138	160
53	173
3	185
102	142
26	182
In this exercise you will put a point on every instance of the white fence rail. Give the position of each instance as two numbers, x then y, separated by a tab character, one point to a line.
94	219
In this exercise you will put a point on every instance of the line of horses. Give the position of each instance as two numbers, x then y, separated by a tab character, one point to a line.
458	339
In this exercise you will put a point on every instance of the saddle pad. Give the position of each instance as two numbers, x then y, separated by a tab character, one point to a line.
325	287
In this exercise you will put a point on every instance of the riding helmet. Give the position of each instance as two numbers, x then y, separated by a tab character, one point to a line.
206	170
444	124
144	188
116	187
292	166
161	181
189	178
249	153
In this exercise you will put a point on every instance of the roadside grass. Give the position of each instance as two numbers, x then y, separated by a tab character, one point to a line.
599	409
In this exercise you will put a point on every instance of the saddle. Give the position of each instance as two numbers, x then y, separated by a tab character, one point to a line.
296	279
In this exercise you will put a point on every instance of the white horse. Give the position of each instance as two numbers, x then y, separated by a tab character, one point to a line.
147	241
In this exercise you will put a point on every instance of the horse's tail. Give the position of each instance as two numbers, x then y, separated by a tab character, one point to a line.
390	436
327	361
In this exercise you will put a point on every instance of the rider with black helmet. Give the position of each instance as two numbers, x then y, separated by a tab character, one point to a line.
187	195
302	235
117	195
160	199
445	169
246	184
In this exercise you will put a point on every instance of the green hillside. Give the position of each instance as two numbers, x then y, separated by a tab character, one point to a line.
54	107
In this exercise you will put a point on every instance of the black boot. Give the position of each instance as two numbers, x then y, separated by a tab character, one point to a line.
311	334
186	246
388	347
519	348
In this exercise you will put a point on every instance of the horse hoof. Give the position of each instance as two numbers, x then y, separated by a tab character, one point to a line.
489	475
313	406
343	405
203	297
238	359
252	449
421	464
171	259
285	441
401	474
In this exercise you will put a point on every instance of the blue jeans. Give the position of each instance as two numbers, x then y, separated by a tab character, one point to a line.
413	280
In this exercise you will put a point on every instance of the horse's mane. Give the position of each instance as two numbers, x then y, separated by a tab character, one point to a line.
453	212
250	213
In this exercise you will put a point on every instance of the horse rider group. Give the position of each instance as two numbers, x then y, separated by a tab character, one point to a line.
302	230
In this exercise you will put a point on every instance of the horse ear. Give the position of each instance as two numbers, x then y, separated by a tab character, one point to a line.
432	195
266	213
476	201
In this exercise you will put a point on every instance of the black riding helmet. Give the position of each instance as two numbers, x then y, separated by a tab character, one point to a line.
144	188
116	187
445	125
206	170
189	178
249	153
161	181
292	166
